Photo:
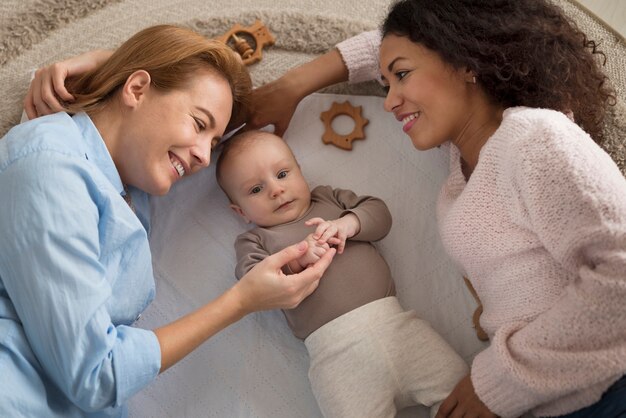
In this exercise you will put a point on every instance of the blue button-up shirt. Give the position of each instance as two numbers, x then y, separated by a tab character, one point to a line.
75	272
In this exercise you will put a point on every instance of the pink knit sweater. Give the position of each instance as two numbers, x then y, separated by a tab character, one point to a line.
540	230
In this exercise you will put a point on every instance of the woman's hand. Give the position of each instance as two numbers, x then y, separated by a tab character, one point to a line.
274	104
267	287
463	402
47	89
335	232
264	287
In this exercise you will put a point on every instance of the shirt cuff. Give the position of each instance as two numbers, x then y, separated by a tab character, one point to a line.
137	361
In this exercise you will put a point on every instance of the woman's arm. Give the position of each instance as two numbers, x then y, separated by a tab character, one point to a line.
50	266
574	199
51	269
354	60
262	288
47	89
275	102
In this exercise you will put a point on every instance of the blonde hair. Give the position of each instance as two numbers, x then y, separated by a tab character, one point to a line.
171	55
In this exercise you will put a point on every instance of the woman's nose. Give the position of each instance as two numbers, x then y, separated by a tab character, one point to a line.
392	100
201	154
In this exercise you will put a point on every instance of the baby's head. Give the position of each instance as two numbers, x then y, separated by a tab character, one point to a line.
261	177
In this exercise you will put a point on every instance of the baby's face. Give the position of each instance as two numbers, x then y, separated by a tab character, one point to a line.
265	183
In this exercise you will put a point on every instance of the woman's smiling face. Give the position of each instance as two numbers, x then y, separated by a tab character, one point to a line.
428	96
170	134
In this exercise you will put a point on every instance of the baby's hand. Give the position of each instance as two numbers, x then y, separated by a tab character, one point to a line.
335	232
315	251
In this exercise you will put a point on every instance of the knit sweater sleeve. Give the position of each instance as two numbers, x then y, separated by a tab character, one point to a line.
571	194
360	55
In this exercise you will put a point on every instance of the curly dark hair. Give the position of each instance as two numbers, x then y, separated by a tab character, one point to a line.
524	52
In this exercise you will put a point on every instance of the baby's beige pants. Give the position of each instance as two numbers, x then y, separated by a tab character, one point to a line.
379	358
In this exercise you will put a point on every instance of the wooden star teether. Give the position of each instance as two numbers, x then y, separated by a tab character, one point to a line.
236	38
343	141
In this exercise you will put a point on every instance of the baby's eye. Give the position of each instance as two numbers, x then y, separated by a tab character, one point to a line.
282	174
386	89
255	190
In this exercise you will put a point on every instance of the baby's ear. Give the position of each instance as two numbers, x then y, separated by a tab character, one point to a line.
239	212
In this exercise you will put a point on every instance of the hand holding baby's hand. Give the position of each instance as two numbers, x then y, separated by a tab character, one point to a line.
315	251
335	232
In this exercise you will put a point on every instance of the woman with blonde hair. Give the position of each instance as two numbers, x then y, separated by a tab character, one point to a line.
75	265
533	210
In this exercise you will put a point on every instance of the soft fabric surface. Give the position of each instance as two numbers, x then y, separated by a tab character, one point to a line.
256	368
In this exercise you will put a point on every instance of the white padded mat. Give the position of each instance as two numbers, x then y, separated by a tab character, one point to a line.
256	368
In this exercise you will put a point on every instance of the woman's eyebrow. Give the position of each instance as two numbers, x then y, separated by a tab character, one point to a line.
392	63
209	115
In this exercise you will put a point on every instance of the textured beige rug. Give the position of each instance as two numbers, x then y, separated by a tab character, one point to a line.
37	32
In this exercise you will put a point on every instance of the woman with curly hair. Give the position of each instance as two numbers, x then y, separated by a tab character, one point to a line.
533	210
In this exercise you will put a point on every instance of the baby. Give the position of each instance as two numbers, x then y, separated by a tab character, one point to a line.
368	356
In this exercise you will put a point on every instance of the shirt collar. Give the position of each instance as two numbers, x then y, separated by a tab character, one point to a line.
96	151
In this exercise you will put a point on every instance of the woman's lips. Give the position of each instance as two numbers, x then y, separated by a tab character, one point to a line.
177	164
409	121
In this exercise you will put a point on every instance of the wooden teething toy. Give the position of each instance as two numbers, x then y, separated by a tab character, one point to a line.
343	141
257	32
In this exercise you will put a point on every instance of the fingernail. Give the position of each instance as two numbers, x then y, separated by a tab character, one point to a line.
301	246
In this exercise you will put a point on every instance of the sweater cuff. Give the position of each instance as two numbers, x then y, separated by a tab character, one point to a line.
360	56
496	388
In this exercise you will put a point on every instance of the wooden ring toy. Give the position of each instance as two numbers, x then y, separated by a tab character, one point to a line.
343	141
257	32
